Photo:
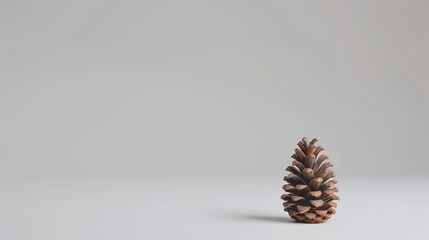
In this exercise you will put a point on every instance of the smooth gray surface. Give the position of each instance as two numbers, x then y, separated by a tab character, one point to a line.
96	88
206	207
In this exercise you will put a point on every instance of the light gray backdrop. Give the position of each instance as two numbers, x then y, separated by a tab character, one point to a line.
94	88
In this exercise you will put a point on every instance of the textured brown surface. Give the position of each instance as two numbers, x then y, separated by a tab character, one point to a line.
310	189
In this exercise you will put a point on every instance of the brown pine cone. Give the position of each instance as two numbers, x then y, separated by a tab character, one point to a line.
310	190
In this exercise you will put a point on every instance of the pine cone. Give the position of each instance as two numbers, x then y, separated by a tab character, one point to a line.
310	185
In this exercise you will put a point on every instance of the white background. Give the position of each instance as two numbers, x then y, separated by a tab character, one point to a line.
103	103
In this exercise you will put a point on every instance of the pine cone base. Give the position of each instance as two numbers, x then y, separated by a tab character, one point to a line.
310	190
